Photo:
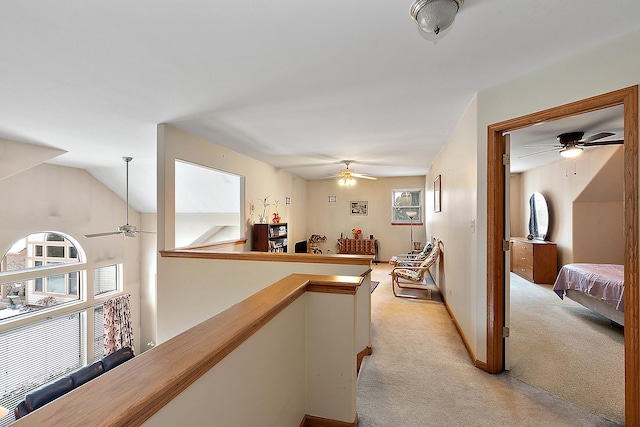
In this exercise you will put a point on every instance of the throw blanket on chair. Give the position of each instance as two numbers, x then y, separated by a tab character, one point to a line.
118	331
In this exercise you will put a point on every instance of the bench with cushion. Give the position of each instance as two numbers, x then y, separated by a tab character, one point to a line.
53	390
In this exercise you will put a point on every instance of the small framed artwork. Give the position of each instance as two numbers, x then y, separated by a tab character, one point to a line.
359	208
332	199
437	198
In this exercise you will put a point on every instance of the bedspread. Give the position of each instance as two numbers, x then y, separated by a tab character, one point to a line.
603	281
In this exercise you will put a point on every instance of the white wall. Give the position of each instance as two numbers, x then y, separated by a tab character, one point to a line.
331	219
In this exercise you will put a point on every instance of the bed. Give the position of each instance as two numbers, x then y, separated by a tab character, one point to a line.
599	287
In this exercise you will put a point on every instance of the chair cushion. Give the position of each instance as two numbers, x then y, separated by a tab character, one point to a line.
409	274
427	248
87	373
116	358
45	394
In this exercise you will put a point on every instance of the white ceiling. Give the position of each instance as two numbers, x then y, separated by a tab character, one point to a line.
538	145
300	85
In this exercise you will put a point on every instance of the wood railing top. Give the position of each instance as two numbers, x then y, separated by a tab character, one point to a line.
132	392
270	256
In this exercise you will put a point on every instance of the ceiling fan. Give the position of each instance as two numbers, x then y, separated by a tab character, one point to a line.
127	230
572	143
346	175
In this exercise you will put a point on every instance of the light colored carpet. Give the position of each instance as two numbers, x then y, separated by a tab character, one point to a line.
420	374
566	349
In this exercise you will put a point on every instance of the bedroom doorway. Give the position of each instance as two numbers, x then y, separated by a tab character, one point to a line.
628	98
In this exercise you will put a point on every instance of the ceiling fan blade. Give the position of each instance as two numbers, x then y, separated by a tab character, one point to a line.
539	152
359	175
596	136
611	142
146	232
102	234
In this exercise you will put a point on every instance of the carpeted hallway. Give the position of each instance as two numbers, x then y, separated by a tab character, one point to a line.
421	375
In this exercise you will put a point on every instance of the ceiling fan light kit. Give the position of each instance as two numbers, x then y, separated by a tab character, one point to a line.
433	16
571	151
347	176
347	180
572	143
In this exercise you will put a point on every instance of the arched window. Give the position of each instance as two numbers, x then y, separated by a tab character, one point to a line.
50	270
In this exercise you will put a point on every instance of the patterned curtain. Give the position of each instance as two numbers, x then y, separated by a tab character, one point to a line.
118	331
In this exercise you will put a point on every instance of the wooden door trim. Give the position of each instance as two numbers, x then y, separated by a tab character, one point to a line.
627	97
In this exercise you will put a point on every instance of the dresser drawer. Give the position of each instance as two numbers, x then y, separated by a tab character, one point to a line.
525	271
522	259
523	248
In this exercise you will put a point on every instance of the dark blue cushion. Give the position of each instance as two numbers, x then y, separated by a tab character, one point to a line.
45	394
116	358
87	373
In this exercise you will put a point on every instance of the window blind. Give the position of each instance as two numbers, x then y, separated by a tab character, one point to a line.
105	279
35	355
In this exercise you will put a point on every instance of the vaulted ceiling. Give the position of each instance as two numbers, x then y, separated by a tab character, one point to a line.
299	85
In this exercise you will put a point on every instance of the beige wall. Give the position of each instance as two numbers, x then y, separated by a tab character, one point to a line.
584	196
331	219
519	219
73	202
456	225
546	88
261	180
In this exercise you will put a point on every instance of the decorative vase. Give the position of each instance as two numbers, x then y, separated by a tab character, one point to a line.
276	218
355	236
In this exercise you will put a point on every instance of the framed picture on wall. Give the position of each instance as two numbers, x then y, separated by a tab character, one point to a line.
359	207
437	198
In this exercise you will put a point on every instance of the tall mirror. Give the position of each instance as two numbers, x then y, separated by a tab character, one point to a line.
538	217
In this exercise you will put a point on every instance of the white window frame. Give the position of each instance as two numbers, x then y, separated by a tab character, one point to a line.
398	209
85	306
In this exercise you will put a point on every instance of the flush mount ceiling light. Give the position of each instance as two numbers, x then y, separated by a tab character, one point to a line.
434	16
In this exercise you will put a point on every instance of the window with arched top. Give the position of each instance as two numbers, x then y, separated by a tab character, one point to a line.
50	273
48	270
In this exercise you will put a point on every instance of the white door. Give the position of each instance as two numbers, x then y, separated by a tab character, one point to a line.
507	254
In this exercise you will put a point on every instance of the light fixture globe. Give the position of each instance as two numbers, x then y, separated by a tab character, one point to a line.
434	16
571	151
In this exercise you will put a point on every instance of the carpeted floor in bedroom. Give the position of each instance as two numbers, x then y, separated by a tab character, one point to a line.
420	374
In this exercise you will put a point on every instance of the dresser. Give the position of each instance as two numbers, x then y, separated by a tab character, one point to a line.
534	260
359	247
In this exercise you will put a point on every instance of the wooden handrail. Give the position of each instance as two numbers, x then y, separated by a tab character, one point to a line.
269	256
131	393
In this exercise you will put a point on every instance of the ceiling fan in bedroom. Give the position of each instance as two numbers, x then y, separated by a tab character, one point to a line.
347	176
127	230
571	144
